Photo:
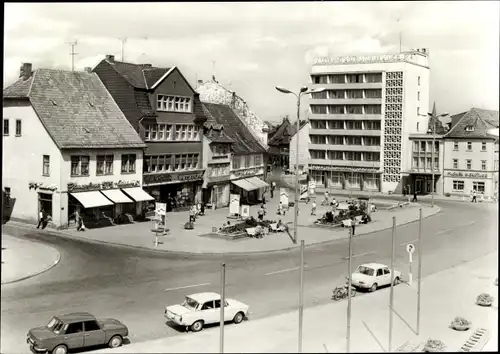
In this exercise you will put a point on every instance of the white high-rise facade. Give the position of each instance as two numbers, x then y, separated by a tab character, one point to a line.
361	123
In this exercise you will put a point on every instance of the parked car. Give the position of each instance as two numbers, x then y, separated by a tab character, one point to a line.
374	275
200	309
74	331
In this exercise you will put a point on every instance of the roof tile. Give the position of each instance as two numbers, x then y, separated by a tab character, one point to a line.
18	89
481	119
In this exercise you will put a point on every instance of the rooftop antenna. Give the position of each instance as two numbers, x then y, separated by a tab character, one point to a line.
397	20
123	40
73	44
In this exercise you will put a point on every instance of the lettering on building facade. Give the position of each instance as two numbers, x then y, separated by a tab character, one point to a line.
157	178
385	58
343	169
169	177
468	174
248	172
192	177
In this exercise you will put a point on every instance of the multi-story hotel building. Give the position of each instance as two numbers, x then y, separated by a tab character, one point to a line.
359	126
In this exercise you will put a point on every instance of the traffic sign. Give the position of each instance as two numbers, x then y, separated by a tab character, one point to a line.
410	248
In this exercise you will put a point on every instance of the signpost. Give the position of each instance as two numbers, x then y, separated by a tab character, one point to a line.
160	218
284	197
234	205
410	248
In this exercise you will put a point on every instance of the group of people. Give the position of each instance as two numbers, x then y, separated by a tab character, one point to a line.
43	219
196	210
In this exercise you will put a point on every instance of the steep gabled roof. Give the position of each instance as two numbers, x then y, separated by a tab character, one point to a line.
78	111
283	133
481	119
244	141
138	75
18	89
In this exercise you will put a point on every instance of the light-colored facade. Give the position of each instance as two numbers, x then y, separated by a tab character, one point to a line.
304	141
360	126
471	165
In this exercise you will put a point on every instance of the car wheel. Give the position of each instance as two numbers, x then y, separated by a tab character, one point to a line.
60	349
374	287
115	341
197	326
396	281
238	318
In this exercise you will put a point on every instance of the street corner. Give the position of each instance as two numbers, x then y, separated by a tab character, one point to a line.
23	259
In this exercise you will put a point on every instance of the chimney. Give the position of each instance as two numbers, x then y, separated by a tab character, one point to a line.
200	82
110	58
25	71
88	69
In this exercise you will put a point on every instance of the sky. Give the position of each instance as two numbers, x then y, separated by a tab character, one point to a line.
253	46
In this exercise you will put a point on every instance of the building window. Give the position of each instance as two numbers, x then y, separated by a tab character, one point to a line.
483	146
428	163
247	161
418	81
478	186
6	127
318	139
354	125
371	156
469	146
371	140
158	132
318	124
469	128
354	78
320	79
455	145
173	103
186	132
418	96
319	95
371	125
354	93
80	165
18	127
336	79
317	154
336	93
469	164
455	163
353	140
236	162
373	109
483	165
458	185
373	93
318	109
335	109
258	160
353	156
46	165
104	165
373	78
415	163
334	155
128	163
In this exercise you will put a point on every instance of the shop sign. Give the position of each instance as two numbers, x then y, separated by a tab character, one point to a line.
157	178
248	172
191	177
468	174
364	59
160	209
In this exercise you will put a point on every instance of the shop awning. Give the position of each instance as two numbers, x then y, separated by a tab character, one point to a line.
92	199
258	182
244	184
137	194
117	196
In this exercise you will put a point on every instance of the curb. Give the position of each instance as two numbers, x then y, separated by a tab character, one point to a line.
36	273
185	253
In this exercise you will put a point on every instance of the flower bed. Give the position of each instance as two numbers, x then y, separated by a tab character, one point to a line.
330	219
248	223
433	345
484	299
460	324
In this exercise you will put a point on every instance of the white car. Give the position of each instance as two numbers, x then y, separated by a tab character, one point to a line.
204	308
374	275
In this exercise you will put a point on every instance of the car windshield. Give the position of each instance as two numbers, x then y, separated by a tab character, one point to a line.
365	270
55	325
190	303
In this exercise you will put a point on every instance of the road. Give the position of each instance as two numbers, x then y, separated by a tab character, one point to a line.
134	286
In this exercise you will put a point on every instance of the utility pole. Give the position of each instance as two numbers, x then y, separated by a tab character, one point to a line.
419	289
349	285
391	304
73	44
123	41
301	294
222	307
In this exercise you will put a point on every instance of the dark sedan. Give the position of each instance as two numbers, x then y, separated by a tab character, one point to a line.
75	331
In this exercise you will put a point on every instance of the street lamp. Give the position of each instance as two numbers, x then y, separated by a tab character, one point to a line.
434	118
303	90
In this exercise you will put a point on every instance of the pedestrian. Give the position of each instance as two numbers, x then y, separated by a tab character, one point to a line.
46	219
192	214
40	219
414	197
264	199
474	197
313	208
78	220
326	197
273	186
202	209
353	225
404	191
260	214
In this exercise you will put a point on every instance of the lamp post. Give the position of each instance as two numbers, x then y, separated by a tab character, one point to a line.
303	90
434	118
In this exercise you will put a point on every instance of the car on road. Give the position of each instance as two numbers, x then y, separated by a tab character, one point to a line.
372	276
74	331
198	310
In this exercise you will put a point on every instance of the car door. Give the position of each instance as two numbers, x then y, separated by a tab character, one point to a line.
387	275
379	277
93	334
228	313
209	313
73	336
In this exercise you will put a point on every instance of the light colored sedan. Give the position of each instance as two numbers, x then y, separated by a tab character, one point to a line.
200	309
374	275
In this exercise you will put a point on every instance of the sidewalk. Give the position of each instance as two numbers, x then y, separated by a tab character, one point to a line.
445	295
23	259
192	241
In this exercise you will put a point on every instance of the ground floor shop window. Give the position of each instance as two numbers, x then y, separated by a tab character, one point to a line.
318	177
335	180
458	186
478	186
353	180
45	203
371	182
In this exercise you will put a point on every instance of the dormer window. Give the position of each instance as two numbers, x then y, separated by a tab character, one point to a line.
173	104
469	128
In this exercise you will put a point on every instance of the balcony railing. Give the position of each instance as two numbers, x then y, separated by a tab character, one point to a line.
344	147
318	116
348	163
350	132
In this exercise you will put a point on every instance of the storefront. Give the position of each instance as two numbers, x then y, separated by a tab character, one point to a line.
249	184
178	190
462	183
422	183
351	180
45	203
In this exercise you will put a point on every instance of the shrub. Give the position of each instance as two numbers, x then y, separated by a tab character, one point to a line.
434	345
484	299
460	322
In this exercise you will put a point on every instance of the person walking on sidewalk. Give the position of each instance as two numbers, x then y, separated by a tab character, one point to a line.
264	199
273	186
313	208
353	225
41	219
474	196
414	200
